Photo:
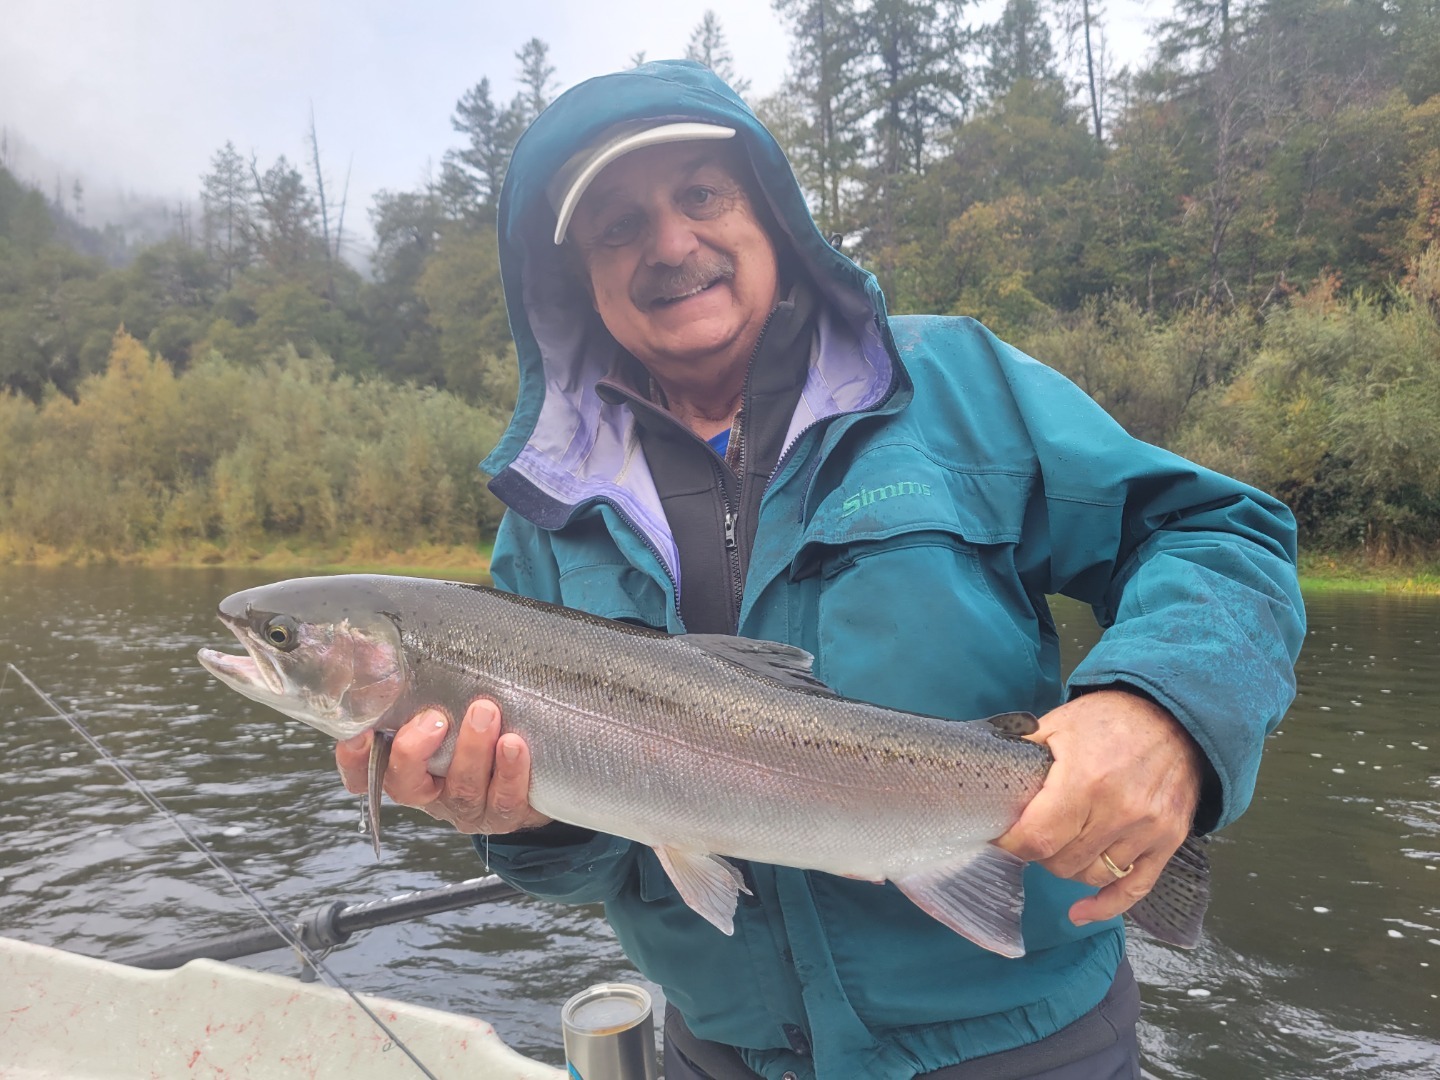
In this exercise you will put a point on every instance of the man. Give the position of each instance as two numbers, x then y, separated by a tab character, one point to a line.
720	430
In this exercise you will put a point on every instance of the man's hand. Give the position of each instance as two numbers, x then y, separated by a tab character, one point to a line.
487	789
1125	784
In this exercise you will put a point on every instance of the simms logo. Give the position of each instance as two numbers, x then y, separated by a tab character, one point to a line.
879	494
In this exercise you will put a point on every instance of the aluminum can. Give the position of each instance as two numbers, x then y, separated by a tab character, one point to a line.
609	1031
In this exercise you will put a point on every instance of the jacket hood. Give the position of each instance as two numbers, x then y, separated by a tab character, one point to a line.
563	445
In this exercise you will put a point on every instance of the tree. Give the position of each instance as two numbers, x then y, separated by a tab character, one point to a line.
707	46
1084	29
408	233
536	81
227	225
916	77
284	225
828	93
461	290
331	243
1201	40
471	177
1017	47
916	85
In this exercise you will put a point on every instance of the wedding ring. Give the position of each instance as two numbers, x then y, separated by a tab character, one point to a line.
1119	872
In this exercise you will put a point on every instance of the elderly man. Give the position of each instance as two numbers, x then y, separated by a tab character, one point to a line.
720	430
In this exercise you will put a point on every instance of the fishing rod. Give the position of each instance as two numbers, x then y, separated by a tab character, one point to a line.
331	924
276	924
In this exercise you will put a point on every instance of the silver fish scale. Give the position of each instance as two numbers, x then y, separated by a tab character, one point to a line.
648	736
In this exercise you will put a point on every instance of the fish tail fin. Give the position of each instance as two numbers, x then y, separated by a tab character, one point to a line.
1174	909
379	761
980	898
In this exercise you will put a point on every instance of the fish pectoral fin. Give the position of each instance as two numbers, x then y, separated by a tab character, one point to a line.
379	762
980	897
708	883
1174	908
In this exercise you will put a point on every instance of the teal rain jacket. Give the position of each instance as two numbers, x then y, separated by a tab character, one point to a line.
937	485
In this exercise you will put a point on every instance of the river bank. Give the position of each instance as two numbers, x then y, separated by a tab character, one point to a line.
1355	572
1323	572
461	561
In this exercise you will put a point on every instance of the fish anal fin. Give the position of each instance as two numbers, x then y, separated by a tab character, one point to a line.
980	897
379	761
1174	909
709	884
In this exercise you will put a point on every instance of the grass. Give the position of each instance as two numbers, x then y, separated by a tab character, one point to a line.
1320	572
465	562
1354	572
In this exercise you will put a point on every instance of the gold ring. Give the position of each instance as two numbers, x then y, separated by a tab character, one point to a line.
1117	871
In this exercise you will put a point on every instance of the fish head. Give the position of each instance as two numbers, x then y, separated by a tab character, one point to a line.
332	661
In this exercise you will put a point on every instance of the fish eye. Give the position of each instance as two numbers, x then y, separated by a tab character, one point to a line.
280	632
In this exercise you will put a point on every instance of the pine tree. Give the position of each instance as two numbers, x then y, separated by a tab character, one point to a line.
825	90
227	225
707	46
917	85
1017	47
537	85
285	222
471	177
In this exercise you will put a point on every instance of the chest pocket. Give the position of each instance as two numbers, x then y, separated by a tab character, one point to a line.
595	576
911	566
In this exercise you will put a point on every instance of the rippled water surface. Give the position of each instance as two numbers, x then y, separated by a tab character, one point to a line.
1322	956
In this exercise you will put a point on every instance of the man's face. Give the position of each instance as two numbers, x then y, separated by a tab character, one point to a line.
681	270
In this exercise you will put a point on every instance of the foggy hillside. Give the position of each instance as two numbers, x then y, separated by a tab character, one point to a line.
92	215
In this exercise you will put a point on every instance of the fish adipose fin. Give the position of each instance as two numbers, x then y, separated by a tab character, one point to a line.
709	884
784	663
1173	910
980	898
379	761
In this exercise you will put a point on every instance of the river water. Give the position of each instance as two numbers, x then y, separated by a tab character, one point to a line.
1322	952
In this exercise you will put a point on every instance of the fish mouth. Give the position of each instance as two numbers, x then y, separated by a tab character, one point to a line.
254	674
317	680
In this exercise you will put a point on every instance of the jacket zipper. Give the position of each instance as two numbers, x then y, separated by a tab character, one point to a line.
654	550
732	512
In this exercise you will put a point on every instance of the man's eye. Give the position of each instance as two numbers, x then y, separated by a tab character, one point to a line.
620	231
698	198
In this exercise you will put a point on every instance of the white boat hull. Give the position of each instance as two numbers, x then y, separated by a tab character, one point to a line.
66	1015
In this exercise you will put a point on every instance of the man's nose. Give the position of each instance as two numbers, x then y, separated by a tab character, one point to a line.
672	238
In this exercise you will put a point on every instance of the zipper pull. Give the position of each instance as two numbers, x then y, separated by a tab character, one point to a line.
729	530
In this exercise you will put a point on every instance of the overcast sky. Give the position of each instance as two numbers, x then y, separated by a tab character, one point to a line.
140	93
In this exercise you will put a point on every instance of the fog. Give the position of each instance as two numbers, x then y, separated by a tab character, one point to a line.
135	98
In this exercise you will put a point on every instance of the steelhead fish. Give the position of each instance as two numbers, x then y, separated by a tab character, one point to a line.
701	746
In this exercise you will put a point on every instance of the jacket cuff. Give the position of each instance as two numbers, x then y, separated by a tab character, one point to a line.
586	869
1207	810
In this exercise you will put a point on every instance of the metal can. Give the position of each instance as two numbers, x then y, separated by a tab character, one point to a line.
609	1031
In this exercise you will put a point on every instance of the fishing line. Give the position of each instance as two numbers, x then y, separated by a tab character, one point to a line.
274	922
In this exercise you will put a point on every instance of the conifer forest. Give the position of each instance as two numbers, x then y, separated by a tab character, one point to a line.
1233	247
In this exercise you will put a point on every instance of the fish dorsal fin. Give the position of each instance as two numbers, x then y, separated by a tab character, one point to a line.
783	663
980	895
1014	724
710	885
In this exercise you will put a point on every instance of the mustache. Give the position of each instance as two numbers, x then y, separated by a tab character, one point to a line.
657	283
